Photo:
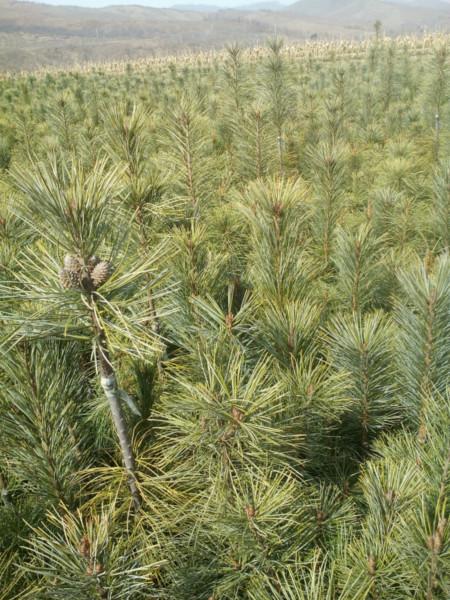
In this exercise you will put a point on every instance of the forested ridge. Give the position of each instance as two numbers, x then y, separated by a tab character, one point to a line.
224	326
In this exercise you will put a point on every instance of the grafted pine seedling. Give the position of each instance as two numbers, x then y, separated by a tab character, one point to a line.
276	212
82	555
87	276
438	90
235	85
440	211
188	153
402	550
357	261
255	146
360	347
41	400
69	207
130	147
278	93
329	171
422	311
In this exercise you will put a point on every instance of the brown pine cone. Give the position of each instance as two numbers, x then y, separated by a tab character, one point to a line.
92	262
101	273
69	279
72	263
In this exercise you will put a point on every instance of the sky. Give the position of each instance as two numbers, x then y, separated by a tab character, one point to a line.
154	3
159	3
166	3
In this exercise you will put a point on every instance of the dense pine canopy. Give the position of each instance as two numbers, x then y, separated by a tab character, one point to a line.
225	326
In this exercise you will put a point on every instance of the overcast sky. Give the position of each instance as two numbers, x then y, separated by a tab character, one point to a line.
155	3
158	3
165	3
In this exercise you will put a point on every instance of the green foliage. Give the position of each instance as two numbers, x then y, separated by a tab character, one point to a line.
422	314
328	169
86	556
357	262
360	347
40	403
224	327
187	156
440	216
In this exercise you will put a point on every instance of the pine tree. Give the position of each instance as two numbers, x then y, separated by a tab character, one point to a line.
440	213
422	315
360	347
276	89
328	167
69	206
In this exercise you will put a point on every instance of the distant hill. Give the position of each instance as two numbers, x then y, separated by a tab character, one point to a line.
316	8
268	5
34	34
205	8
437	4
393	14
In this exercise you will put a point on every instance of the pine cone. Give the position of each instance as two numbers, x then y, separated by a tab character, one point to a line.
72	263
69	279
101	273
92	262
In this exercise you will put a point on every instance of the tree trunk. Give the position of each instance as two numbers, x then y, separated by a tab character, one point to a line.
109	384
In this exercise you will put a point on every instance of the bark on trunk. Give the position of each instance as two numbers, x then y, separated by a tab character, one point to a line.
109	384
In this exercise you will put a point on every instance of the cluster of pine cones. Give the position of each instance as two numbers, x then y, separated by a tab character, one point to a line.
76	272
